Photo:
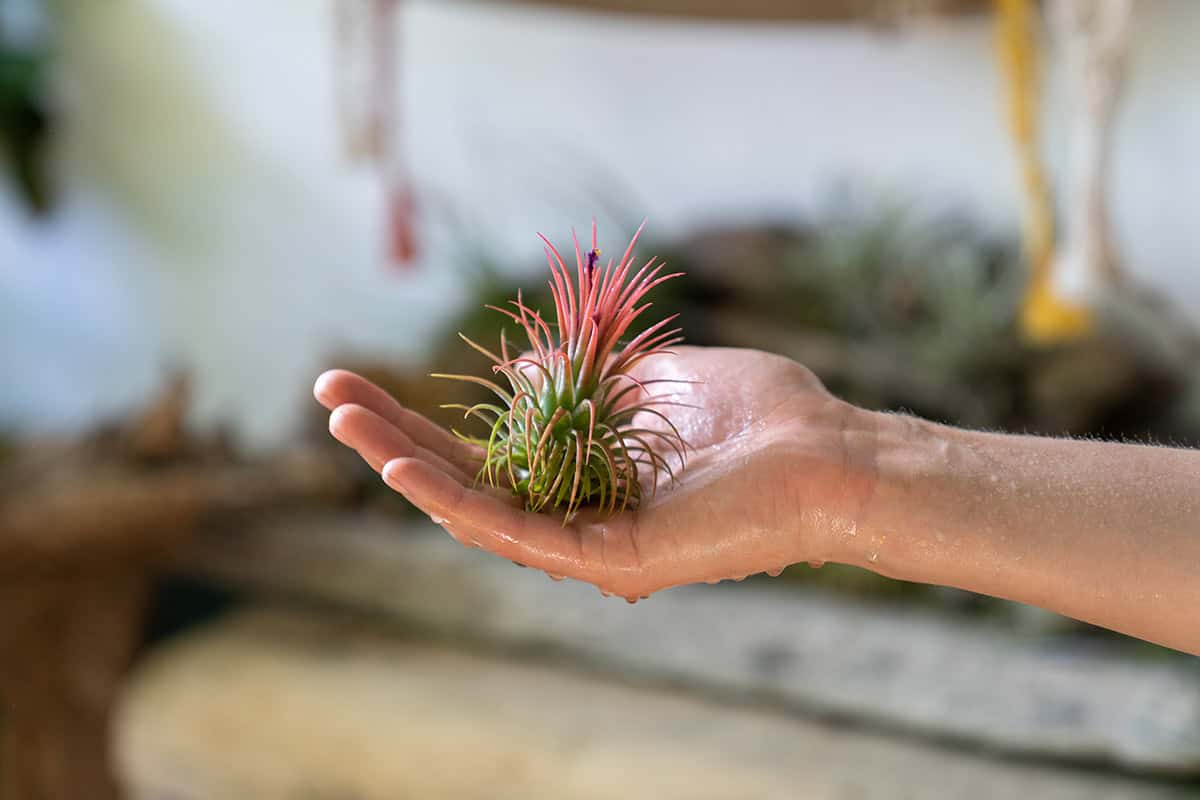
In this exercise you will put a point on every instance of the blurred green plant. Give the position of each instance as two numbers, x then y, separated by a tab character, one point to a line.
25	118
891	273
935	302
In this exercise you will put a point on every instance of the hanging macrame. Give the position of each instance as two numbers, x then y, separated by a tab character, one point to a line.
1094	37
1045	317
1067	277
368	81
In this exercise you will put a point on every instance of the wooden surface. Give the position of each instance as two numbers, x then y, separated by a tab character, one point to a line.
66	643
818	11
303	704
85	525
113	513
911	670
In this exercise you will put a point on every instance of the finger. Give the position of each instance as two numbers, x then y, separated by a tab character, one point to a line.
338	387
379	441
475	517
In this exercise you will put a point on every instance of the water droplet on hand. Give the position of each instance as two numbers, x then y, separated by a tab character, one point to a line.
631	600
605	594
775	573
816	564
713	581
438	520
873	557
554	577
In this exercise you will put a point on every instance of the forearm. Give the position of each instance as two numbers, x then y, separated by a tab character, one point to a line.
1106	533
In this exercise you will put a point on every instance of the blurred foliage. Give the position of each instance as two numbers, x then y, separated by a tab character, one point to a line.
936	283
894	310
25	119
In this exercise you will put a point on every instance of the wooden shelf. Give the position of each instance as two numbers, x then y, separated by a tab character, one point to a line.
817	11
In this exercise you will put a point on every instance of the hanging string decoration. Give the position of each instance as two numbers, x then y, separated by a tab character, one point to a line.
1094	37
1045	317
367	69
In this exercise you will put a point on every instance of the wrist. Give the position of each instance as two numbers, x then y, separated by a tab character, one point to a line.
916	473
835	499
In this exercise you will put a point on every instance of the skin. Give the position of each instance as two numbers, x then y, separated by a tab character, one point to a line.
781	472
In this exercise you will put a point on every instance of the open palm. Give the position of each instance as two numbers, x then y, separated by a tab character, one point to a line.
769	477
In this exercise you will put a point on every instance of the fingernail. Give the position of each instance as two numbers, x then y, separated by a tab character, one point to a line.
389	472
336	418
320	387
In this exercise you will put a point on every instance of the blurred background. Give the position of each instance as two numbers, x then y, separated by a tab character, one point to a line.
977	211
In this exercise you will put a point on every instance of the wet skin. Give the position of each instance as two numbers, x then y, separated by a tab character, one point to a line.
780	472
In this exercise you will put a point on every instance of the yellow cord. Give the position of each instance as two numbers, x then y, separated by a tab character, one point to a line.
1045	317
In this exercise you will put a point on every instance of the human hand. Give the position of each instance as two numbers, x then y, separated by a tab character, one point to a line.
777	472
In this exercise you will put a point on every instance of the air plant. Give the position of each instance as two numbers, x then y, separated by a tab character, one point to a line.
574	426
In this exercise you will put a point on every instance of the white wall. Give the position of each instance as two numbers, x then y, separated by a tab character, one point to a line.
211	221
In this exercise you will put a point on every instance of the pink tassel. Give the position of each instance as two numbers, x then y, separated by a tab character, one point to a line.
402	238
373	127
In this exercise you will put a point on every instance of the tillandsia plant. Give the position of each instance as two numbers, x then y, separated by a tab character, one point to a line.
574	426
